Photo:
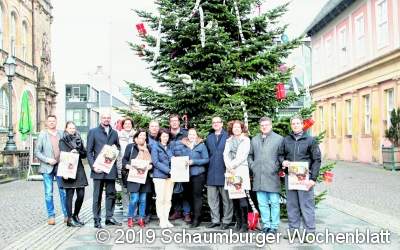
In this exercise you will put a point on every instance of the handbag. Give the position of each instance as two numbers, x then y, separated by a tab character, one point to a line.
253	217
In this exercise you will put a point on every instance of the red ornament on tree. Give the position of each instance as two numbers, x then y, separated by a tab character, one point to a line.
308	123
280	91
141	29
281	173
328	177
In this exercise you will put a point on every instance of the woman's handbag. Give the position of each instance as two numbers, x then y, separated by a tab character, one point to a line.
253	218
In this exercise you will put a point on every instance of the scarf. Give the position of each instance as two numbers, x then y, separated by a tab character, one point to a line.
73	141
235	142
144	153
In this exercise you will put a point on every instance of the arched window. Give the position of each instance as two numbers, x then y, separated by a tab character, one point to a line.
24	41
3	109
13	33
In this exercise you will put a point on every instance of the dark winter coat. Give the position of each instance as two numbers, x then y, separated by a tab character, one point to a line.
264	163
131	152
198	155
216	166
96	139
303	149
67	144
161	159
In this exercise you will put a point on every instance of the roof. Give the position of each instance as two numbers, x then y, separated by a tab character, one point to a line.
330	11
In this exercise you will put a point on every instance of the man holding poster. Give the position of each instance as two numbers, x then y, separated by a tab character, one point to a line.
98	138
300	147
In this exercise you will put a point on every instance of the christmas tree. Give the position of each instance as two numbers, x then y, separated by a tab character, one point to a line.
214	57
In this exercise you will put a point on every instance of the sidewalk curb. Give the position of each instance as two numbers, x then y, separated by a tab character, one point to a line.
368	215
51	237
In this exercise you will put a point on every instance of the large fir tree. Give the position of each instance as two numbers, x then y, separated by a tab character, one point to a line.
228	71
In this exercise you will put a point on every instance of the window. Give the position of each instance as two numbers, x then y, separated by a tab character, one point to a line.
321	117
342	41
76	93
360	35
389	105
349	121
329	53
78	116
382	30
13	33
24	41
367	115
334	119
316	63
3	109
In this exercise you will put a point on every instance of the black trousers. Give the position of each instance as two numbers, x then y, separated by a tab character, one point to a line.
80	194
240	209
193	193
98	186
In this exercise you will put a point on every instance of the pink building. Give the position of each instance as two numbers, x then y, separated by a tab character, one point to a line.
355	75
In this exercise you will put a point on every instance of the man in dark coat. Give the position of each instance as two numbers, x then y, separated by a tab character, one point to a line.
300	147
96	139
216	176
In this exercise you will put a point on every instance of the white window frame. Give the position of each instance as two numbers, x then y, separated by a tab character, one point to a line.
382	23
317	65
359	22
389	105
349	117
329	53
321	117
342	41
367	114
334	118
4	106
13	33
25	41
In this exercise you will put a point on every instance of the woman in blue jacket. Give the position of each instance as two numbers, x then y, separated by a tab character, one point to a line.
194	147
161	157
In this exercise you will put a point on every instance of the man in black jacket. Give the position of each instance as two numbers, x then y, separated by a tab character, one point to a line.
96	139
300	147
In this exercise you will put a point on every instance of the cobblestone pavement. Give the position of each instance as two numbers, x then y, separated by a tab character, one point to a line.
366	185
22	208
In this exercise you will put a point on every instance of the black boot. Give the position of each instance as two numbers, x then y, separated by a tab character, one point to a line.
72	223
238	216
97	223
244	227
77	220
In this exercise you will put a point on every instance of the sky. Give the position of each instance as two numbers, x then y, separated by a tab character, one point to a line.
88	33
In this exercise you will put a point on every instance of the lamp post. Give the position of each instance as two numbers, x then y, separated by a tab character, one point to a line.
9	68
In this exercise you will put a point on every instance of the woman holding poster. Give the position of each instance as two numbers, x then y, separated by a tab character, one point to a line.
193	147
72	142
135	166
236	151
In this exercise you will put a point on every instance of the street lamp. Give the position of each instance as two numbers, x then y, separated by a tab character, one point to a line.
9	68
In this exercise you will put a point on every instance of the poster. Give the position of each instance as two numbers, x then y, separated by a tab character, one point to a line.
180	169
138	173
298	173
68	165
105	160
233	183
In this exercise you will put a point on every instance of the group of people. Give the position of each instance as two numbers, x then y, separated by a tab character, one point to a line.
223	152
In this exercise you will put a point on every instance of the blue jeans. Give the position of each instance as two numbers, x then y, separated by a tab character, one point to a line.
134	199
270	217
48	194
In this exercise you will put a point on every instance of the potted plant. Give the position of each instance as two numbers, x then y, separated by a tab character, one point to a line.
391	155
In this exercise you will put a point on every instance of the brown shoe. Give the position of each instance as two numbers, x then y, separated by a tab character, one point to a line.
188	219
51	221
176	215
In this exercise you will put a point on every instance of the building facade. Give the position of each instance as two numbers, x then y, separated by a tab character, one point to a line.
25	33
355	76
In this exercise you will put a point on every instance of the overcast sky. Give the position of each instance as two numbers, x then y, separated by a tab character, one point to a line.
87	33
